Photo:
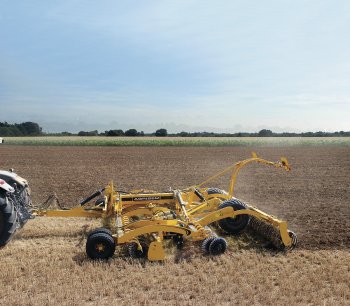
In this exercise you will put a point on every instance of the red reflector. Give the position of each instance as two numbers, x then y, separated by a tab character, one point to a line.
2	182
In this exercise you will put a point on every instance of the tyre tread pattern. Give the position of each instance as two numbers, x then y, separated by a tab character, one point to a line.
97	238
215	191
234	225
100	230
9	219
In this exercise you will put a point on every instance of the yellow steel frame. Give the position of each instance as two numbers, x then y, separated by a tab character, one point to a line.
192	214
238	166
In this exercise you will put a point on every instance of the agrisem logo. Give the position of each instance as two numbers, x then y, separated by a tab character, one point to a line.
146	198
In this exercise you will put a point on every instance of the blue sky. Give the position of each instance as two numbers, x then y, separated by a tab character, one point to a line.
183	65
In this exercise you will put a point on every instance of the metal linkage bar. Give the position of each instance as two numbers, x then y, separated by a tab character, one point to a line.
237	166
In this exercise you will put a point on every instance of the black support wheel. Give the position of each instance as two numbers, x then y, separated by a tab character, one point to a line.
217	246
100	230
100	246
236	224
8	220
216	192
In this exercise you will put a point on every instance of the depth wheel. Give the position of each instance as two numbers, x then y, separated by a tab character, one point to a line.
100	230
100	246
216	191
218	246
236	224
206	243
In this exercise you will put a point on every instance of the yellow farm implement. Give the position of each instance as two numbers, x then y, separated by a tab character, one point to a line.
141	221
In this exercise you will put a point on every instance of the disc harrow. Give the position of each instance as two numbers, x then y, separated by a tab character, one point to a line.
140	221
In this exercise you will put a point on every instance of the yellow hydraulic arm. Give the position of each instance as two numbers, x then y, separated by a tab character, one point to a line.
283	163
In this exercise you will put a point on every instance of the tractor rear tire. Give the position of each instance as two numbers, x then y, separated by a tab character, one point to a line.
236	224
100	246
23	206
8	220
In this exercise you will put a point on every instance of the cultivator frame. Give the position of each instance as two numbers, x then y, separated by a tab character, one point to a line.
143	220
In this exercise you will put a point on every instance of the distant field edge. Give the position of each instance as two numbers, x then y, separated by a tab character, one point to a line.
176	141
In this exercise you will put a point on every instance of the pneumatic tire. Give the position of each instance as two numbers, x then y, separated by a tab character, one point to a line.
216	191
100	230
100	246
8	220
23	198
236	224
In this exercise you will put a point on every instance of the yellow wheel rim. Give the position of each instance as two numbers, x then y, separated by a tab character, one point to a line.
100	247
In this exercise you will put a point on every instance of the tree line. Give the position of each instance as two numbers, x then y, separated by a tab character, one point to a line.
33	129
20	129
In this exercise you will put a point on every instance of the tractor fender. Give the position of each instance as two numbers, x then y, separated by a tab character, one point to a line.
13	178
6	187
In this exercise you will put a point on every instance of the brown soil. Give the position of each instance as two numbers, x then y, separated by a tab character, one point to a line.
45	264
314	197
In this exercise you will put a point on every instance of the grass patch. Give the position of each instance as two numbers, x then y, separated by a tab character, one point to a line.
178	141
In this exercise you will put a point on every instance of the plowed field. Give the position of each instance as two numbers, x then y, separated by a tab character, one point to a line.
46	264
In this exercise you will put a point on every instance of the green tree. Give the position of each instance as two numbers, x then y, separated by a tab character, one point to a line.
30	128
161	133
10	131
183	134
90	133
131	132
114	133
265	133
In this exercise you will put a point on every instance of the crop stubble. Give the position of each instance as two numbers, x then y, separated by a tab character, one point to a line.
314	198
